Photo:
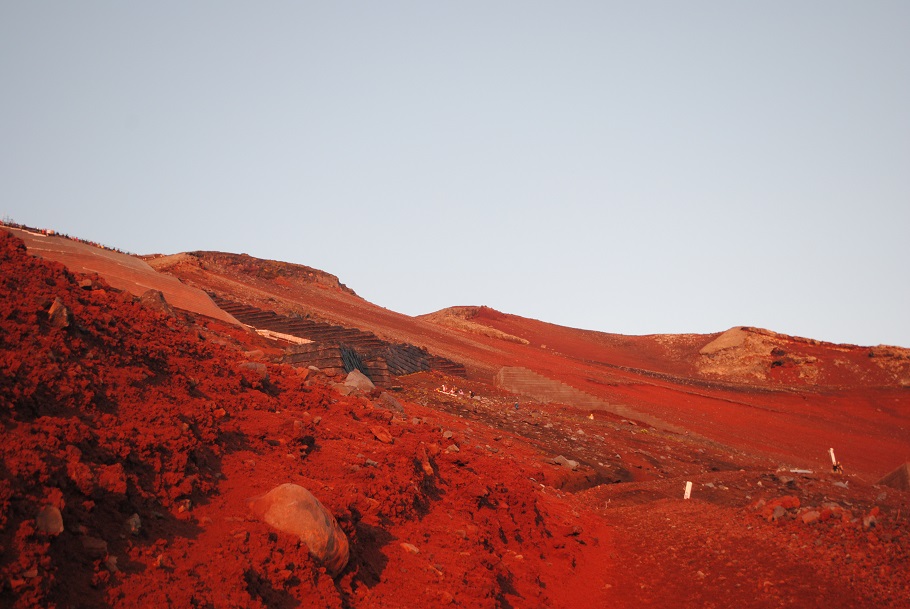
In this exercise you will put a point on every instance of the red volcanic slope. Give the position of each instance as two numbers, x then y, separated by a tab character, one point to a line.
792	406
124	411
856	398
116	410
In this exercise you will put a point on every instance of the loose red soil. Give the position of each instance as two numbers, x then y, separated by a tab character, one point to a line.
180	420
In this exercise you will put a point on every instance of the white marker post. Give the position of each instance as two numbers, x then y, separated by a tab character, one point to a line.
688	492
834	464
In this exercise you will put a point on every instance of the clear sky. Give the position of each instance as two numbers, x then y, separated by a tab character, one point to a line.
631	167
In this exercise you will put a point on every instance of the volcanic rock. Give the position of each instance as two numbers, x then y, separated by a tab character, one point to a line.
358	380
49	520
390	402
424	459
290	508
94	547
134	524
734	337
58	315
154	299
258	368
811	517
567	463
343	389
382	435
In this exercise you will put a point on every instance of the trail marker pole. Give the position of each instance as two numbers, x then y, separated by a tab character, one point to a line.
688	492
835	466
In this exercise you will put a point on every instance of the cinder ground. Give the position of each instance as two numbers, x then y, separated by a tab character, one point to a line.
120	410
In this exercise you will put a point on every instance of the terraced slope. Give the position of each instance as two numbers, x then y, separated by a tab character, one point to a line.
339	348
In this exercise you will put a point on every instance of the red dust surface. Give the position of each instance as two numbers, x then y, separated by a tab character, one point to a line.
150	433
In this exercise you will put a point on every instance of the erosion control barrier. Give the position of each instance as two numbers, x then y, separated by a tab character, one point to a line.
338	348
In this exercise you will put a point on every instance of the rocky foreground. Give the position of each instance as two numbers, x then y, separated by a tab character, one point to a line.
137	440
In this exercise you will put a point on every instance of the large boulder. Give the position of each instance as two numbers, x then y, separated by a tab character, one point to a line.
292	509
358	380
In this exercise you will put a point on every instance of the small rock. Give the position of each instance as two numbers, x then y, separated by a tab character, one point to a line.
390	402
410	548
154	299
59	315
811	517
94	547
453	449
382	435
49	520
163	561
371	463
343	389
424	459
257	368
447	434
869	521
86	284
567	463
778	513
111	563
31	573
133	524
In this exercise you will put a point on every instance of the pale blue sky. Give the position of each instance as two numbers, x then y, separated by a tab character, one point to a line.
630	167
